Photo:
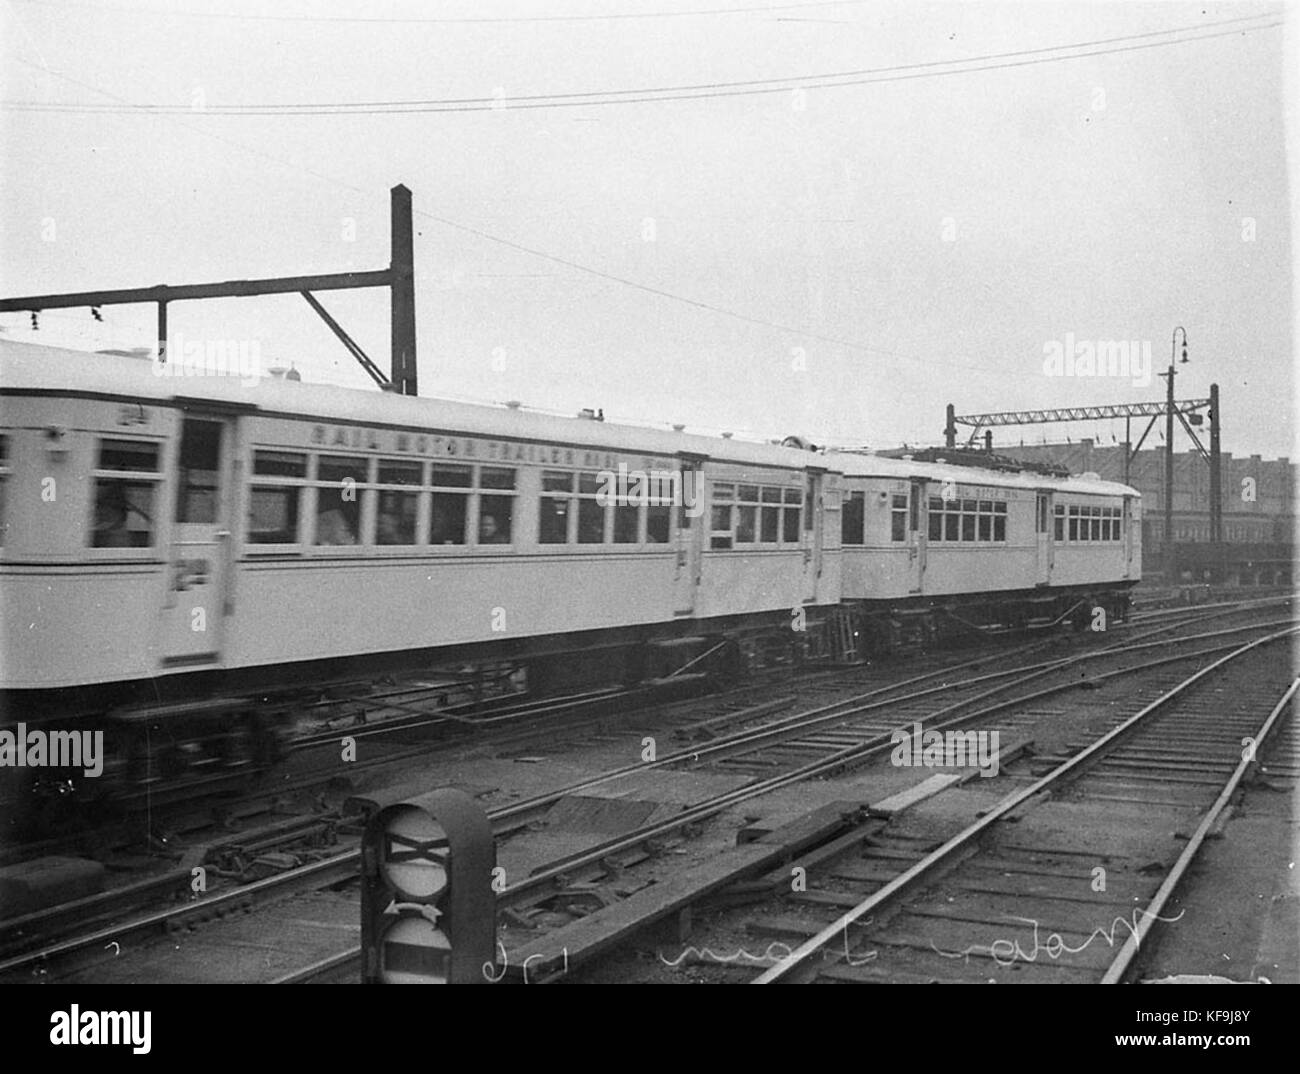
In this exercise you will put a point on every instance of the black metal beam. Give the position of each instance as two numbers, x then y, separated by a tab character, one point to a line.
163	293
354	348
402	290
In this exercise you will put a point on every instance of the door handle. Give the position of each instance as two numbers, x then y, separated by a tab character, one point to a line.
222	535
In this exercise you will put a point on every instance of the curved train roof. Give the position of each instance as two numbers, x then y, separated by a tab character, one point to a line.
854	464
29	367
32	367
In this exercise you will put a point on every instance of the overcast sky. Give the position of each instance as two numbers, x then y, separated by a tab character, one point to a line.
839	261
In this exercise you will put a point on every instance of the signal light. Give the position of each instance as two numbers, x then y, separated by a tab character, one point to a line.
428	911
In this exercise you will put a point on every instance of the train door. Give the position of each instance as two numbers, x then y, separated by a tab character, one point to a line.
1043	535
689	536
916	536
1127	533
199	567
813	525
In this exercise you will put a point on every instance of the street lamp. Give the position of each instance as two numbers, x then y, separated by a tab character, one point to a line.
1169	451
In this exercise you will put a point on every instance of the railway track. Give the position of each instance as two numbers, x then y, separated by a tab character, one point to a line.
1064	878
342	866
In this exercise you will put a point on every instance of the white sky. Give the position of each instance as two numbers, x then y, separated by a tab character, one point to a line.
1103	197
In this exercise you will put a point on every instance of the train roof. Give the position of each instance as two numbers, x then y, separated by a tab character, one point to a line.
858	464
30	367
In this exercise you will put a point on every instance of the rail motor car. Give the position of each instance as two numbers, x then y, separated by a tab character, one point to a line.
169	538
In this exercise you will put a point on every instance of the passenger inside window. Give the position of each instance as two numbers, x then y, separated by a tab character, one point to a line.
493	528
333	526
121	516
396	521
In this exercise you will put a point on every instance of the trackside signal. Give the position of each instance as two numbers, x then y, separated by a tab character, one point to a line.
428	911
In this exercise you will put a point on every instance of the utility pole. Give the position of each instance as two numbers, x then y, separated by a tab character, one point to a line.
1216	482
1169	454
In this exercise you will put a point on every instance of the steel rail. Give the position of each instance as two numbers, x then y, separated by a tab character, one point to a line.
963	839
1115	972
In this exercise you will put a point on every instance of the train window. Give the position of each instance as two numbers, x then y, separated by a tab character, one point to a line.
658	521
4	477
898	517
279	464
495	519
200	462
853	519
627	523
449	509
1096	523
591	522
496	511
126	482
140	456
967	520
1074	523
747	514
1058	524
770	516
746	523
936	518
273	506
273	515
496	477
591	510
555	511
338	502
790	519
720	516
398	509
451	476
447	518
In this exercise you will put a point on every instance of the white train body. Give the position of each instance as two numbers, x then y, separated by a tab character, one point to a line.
165	528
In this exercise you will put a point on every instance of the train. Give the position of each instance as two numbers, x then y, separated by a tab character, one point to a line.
174	544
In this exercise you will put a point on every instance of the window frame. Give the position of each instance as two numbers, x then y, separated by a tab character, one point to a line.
786	500
159	501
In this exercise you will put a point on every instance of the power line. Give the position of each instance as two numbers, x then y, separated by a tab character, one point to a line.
698	91
450	20
575	265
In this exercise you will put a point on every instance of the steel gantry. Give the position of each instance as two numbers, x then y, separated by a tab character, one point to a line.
1189	413
399	278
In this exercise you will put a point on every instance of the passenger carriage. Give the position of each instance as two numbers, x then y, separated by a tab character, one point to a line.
169	538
